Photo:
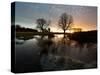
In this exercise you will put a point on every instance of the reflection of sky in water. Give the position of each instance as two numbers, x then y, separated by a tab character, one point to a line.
63	48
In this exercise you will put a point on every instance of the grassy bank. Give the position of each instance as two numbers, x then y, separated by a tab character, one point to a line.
90	36
26	34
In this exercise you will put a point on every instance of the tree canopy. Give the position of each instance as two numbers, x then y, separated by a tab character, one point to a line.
65	21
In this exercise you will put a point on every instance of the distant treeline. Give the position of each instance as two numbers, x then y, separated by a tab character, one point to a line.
23	29
89	36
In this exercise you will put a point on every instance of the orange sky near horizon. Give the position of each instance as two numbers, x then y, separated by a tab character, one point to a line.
56	28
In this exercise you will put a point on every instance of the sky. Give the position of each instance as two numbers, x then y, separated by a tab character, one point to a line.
84	17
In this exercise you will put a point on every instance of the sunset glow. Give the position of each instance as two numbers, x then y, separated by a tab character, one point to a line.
84	17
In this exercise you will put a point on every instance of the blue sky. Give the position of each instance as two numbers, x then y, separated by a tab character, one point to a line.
26	14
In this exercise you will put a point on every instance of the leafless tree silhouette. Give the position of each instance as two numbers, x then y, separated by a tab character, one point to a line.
65	22
42	24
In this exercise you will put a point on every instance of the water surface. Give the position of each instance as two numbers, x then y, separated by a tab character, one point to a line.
43	53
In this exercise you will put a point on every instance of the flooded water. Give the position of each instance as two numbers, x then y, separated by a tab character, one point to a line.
43	53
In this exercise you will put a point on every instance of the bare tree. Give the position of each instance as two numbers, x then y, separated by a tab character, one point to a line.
42	24
65	22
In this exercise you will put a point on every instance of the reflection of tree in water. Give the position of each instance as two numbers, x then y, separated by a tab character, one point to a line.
61	56
65	54
44	43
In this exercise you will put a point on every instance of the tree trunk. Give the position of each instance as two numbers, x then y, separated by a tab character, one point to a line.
64	33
